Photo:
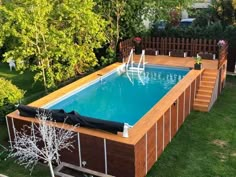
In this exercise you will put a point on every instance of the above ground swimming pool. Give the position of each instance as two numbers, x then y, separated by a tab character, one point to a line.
121	97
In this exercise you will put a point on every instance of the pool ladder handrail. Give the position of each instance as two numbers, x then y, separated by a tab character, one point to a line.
137	69
141	64
130	59
142	61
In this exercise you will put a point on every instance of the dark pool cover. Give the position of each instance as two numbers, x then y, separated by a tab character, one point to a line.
72	118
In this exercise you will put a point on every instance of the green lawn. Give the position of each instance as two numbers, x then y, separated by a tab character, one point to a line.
204	146
34	91
23	81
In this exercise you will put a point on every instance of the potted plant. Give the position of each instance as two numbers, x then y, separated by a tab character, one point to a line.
198	62
221	43
137	45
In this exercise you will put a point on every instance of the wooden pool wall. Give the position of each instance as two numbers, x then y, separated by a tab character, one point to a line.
125	157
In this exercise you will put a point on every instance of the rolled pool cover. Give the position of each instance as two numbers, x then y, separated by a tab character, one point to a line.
72	118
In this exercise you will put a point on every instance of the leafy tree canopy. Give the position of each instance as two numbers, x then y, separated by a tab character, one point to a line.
224	11
53	37
126	17
234	4
161	9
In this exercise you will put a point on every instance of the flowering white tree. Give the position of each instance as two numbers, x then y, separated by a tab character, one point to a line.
41	141
2	150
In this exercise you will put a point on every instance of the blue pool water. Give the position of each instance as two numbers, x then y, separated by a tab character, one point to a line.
123	98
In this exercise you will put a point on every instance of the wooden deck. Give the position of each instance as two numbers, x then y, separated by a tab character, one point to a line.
177	61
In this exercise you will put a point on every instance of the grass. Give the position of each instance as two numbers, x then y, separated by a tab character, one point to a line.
12	169
25	81
34	90
204	146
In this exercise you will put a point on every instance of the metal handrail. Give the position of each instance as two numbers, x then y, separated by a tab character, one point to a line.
142	60
131	59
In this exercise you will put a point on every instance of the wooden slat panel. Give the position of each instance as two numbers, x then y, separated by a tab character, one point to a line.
198	80
151	147
22	125
173	120
159	136
140	158
167	127
187	102
120	159
180	111
92	148
192	94
71	156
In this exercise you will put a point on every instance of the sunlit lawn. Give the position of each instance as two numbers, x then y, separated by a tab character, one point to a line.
33	90
204	146
23	81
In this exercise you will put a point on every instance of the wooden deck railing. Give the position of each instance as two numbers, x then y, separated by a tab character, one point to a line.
165	45
223	52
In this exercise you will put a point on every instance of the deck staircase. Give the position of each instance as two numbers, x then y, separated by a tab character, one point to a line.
204	93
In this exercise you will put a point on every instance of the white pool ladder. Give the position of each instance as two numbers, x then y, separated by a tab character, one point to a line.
130	63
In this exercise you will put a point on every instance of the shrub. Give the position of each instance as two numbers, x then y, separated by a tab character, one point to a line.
230	35
9	95
109	58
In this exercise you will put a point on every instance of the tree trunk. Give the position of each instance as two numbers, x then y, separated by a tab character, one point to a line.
51	169
44	77
117	30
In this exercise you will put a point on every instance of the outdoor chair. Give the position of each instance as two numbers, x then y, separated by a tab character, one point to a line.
12	64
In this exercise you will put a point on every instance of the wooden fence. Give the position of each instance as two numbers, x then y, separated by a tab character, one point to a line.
165	45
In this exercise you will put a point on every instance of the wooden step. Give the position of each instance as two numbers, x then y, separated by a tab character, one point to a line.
199	107
202	101
206	86
210	74
212	83
207	78
201	96
201	104
204	91
210	71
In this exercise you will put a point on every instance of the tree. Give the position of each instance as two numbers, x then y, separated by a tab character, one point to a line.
26	144
132	23
224	11
52	37
112	11
161	9
234	4
126	17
